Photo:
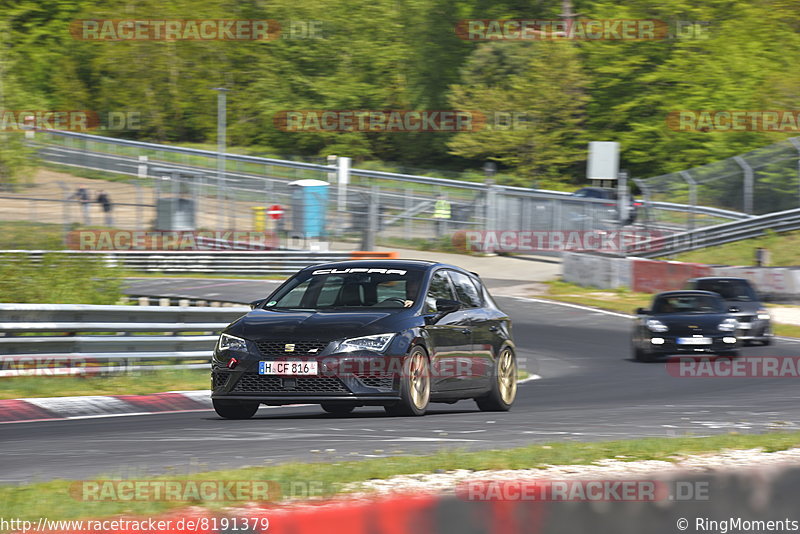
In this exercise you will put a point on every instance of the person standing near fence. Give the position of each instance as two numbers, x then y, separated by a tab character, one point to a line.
105	202
82	196
441	212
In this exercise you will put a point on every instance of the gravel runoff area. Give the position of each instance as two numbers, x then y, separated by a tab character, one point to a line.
610	469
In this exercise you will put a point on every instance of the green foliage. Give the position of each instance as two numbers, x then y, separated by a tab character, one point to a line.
406	56
59	279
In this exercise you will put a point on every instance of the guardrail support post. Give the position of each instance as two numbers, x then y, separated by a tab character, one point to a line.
748	184
692	197
796	142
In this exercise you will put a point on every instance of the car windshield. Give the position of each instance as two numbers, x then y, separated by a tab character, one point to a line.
349	288
729	289
688	304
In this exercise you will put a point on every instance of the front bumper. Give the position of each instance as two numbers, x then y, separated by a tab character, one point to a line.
671	346
754	329
364	377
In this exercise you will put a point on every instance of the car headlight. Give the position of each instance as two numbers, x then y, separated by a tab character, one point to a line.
654	325
728	325
229	342
376	343
763	315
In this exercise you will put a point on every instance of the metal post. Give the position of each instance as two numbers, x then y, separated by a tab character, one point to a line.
748	184
692	197
646	193
407	208
796	142
139	202
622	196
368	239
221	125
491	201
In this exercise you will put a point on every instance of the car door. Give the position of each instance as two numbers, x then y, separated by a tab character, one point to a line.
450	336
473	370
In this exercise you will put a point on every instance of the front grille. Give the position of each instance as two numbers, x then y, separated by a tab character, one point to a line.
278	348
384	382
746	318
220	379
251	383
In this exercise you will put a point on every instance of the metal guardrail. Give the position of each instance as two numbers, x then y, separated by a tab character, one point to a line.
244	262
541	194
782	221
107	334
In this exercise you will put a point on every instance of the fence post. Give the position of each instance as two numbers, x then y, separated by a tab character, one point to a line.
490	221
407	207
373	198
796	142
692	197
748	184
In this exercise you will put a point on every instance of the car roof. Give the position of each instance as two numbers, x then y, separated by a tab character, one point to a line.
688	292
714	278
394	264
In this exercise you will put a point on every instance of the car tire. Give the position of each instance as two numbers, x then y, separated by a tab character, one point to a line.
415	385
766	341
504	384
235	409
337	409
641	355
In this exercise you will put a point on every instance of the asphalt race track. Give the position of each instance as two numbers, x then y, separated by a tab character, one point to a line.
589	390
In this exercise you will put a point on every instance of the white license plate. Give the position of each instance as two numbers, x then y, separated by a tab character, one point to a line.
694	341
745	326
287	368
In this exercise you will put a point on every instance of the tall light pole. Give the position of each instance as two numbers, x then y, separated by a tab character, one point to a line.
221	125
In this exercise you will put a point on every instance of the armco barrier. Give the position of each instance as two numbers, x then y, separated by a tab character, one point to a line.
250	262
596	270
651	276
743	501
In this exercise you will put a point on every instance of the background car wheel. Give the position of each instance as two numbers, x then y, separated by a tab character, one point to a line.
415	385
234	409
338	409
504	384
641	355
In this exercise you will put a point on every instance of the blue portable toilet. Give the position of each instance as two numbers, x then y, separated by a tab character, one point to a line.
309	204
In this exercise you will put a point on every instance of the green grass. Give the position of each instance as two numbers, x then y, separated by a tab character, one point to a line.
784	249
133	383
21	235
52	499
59	279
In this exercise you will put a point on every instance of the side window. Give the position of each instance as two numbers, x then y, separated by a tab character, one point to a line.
439	289
467	293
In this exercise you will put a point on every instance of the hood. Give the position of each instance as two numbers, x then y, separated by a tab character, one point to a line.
682	324
322	325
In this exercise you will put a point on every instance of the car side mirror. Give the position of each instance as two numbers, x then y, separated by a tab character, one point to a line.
734	309
642	311
445	306
256	304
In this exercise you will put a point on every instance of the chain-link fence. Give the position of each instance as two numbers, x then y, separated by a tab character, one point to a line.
762	181
149	183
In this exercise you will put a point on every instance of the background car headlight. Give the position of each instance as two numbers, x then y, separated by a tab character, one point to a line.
228	342
375	343
654	325
728	325
763	315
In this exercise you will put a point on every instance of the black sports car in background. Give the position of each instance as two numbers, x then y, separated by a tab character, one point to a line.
681	322
754	320
398	334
